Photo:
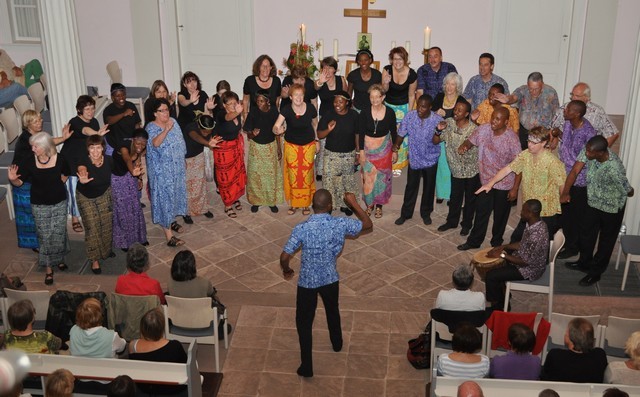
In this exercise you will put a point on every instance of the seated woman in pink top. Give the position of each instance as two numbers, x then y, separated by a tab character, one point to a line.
136	281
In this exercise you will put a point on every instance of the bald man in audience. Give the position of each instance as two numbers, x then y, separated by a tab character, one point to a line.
470	389
595	114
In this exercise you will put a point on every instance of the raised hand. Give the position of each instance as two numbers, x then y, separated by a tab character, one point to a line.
172	97
239	108
83	175
12	173
194	97
210	103
66	131
474	115
103	130
214	141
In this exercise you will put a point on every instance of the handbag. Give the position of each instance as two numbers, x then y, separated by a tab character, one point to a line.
419	351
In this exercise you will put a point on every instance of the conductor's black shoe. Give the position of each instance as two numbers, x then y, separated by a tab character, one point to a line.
427	220
576	265
589	280
304	373
445	227
464	232
400	221
467	246
567	253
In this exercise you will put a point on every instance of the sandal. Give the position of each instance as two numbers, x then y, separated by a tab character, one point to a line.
176	227
230	212
62	267
369	210
175	242
77	227
378	213
306	211
237	205
48	278
291	211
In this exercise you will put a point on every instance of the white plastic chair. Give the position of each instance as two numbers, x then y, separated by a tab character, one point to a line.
187	319
11	123
543	285
615	334
22	104
40	300
630	246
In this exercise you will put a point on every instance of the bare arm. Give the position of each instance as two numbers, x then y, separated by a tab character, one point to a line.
571	179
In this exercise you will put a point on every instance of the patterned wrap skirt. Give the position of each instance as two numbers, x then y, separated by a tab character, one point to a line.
443	175
376	174
403	151
299	179
97	216
264	178
128	221
231	176
25	224
51	227
339	175
196	186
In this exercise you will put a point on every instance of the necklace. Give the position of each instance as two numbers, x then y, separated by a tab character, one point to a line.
264	81
43	162
375	126
99	162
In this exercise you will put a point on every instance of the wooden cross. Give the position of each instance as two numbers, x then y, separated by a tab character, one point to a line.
365	13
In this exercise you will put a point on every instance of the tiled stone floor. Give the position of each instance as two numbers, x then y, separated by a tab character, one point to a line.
389	280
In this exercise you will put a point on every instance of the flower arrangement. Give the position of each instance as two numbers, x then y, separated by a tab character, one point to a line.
301	53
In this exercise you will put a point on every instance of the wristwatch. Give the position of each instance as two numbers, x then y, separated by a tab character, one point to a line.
503	255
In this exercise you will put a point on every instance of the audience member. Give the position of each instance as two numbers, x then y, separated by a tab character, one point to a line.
478	87
596	114
419	127
469	389
497	147
482	114
537	104
22	315
464	362
526	259
626	372
607	192
59	383
615	392
581	362
431	75
88	338
518	363
575	133
184	282
460	297
136	281
548	393
122	386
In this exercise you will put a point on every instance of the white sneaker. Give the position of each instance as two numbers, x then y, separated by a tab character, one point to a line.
397	173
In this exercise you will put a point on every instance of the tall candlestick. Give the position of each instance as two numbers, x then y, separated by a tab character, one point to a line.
335	49
303	32
393	44
320	49
407	46
427	38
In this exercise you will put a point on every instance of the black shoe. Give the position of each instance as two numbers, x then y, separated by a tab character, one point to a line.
143	205
495	243
337	347
577	265
319	179
464	232
427	220
346	211
146	243
439	201
208	214
589	280
96	271
567	253
467	246
255	208
400	221
48	278
445	227
36	250
124	249
187	219
274	209
304	373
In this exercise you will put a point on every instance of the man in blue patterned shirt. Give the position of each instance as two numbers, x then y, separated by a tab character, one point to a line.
321	238
431	74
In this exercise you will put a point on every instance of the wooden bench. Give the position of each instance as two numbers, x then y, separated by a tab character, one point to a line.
447	386
107	369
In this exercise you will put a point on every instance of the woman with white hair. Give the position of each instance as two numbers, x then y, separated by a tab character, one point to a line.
626	372
443	104
48	172
460	297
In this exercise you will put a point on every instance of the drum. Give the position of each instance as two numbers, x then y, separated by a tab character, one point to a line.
483	263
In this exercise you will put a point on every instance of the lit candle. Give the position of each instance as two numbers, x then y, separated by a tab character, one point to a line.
407	46
303	32
335	49
320	49
393	44
427	38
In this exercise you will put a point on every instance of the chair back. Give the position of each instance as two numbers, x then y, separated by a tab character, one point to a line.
114	71
36	92
10	122
559	323
556	245
40	300
43	80
125	312
22	104
616	333
4	145
189	312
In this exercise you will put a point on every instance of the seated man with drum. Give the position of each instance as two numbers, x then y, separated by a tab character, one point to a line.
526	259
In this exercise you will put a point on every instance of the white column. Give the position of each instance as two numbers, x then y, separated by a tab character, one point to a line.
62	60
630	145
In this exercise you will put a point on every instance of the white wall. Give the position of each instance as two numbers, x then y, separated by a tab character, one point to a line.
463	36
106	34
20	53
622	56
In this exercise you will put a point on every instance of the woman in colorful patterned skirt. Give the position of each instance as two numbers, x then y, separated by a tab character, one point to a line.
378	129
228	157
264	174
299	150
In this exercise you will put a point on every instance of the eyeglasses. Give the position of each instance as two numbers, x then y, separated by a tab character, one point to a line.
573	95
